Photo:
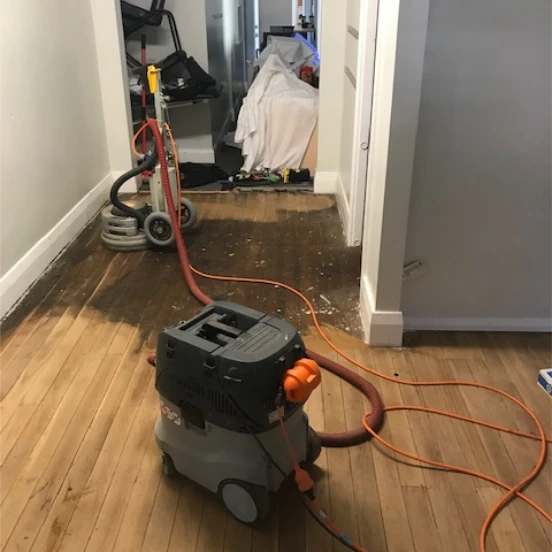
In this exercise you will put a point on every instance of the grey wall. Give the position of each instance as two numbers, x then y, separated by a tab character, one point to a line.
218	65
480	212
226	53
275	12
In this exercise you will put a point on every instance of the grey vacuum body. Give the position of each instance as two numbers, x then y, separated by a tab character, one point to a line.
219	377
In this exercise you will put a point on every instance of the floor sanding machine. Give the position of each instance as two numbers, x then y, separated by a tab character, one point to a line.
135	225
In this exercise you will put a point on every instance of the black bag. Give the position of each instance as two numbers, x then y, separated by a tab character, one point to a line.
183	78
198	174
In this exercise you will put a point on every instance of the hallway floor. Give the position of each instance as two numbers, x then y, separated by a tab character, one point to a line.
79	465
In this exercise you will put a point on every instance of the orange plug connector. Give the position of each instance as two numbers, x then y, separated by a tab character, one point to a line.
301	380
303	480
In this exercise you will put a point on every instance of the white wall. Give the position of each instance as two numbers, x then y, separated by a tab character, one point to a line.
110	50
191	124
332	55
275	12
480	214
54	157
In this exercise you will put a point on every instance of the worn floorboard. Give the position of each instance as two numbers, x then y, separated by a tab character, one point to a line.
79	463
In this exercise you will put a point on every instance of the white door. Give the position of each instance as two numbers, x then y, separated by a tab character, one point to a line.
358	75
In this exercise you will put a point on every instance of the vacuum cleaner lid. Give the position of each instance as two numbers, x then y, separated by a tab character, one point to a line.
225	356
236	334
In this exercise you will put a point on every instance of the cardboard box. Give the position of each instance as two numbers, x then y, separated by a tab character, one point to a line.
545	380
311	153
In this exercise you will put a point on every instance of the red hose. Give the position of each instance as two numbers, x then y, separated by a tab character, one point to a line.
374	418
342	439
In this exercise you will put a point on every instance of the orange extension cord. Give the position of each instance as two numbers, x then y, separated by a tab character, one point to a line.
449	467
512	492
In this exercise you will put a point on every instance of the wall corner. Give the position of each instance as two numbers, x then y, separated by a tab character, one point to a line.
381	328
325	182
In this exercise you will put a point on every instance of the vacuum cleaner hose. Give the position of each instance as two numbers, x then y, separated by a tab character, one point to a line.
374	419
147	165
342	439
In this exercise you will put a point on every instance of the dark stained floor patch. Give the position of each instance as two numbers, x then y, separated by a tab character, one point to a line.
273	236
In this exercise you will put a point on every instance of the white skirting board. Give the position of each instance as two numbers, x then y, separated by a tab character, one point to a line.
342	205
325	182
18	280
381	328
412	323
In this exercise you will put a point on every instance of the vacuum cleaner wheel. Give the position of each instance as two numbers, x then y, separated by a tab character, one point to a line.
158	229
248	503
314	446
189	214
168	464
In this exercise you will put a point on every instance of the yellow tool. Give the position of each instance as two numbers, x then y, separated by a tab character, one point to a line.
152	78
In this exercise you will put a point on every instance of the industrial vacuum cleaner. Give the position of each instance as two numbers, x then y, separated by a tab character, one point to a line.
230	380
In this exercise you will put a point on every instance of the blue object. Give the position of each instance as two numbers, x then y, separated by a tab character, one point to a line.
545	380
312	47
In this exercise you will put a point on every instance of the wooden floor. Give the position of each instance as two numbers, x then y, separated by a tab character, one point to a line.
79	465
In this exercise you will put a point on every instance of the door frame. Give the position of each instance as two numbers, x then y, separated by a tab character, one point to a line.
251	28
352	207
401	47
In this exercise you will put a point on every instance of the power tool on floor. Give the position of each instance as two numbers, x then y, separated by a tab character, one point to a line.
232	383
136	225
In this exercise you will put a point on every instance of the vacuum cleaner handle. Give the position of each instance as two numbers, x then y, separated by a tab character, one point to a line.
212	327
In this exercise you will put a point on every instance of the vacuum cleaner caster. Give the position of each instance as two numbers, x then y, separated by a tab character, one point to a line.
314	446
189	214
168	465
158	229
248	503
